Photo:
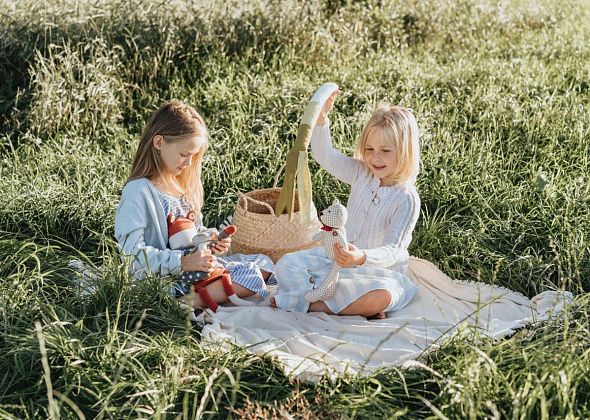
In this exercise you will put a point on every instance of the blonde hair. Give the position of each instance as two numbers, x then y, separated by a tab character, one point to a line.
174	121
400	130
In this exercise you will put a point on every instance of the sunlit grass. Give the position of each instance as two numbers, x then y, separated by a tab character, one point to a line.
500	90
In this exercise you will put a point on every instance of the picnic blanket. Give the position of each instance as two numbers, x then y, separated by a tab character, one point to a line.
310	345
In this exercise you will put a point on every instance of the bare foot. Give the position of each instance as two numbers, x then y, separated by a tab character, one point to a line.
380	315
273	302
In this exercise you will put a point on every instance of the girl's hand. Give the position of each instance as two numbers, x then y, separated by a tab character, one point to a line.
198	261
349	257
221	246
326	109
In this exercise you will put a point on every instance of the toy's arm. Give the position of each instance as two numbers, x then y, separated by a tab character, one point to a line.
342	239
317	237
204	239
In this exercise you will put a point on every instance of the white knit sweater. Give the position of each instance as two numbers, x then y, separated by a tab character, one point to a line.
380	219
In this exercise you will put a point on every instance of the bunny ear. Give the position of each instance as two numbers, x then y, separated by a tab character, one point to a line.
170	218
336	201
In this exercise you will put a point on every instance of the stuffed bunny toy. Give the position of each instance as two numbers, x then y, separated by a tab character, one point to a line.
333	231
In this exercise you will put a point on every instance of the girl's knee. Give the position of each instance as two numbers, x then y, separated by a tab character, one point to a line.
379	299
369	304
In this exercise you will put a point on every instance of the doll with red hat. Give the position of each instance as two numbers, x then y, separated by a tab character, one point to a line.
184	234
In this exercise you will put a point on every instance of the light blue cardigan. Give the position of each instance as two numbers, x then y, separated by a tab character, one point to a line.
141	230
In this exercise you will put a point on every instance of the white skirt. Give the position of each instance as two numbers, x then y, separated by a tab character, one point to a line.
301	271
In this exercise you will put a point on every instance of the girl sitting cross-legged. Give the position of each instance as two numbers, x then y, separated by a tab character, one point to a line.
383	208
165	188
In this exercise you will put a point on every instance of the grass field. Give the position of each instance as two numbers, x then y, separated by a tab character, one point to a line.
501	93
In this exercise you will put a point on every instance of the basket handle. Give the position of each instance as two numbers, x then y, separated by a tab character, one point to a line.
243	199
277	175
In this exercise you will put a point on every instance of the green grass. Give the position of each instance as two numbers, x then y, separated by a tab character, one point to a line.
501	93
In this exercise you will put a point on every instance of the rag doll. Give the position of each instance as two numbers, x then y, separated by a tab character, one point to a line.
184	234
333	232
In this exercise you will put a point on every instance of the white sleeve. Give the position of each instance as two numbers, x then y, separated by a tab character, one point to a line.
343	167
130	226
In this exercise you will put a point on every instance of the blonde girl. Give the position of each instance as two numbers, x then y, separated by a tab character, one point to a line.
383	208
165	180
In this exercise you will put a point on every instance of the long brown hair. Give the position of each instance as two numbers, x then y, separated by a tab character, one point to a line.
174	121
400	130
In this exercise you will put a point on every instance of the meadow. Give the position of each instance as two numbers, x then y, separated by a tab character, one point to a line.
501	93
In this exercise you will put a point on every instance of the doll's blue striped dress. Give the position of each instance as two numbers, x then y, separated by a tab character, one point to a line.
244	269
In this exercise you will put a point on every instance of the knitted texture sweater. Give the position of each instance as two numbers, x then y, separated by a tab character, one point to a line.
380	219
142	231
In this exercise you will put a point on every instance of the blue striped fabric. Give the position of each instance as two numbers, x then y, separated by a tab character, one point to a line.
301	271
244	270
177	206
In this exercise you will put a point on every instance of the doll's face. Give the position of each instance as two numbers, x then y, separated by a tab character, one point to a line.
179	155
334	216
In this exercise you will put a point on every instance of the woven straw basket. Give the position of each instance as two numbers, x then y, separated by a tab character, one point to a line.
259	231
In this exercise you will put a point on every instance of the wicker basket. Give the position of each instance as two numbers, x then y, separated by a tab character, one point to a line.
261	232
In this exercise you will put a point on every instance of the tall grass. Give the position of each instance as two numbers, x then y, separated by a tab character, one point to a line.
500	89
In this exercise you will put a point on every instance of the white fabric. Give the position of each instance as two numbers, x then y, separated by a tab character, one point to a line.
301	271
309	345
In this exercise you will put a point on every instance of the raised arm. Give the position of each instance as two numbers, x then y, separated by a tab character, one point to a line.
343	167
130	225
399	235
